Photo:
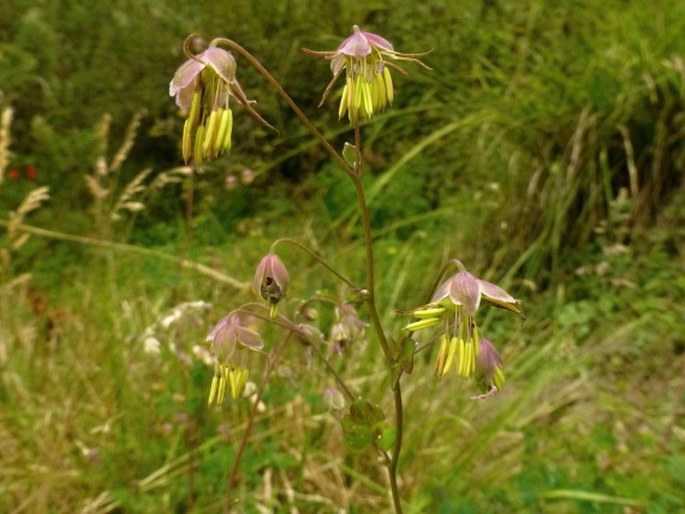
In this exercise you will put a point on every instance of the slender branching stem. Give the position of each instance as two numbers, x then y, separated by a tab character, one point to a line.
298	112
355	175
316	257
286	323
233	474
189	203
399	429
368	243
335	374
376	322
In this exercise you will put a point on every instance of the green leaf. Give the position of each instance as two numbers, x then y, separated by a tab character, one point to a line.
387	438
365	413
357	437
350	153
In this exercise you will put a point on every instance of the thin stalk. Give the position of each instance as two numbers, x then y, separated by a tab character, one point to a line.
286	323
233	474
376	321
189	205
335	374
399	429
317	257
298	112
368	243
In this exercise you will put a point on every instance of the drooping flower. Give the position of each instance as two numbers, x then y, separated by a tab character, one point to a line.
227	342
366	58
466	290
271	280
455	303
347	329
203	87
489	366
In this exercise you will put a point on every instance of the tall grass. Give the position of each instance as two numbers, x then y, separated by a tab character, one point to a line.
550	139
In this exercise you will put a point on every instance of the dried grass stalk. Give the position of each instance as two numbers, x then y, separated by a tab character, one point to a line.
129	139
5	123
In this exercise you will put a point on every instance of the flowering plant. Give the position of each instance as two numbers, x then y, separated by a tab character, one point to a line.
203	87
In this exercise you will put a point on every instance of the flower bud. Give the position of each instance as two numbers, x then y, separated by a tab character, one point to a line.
271	280
489	365
247	176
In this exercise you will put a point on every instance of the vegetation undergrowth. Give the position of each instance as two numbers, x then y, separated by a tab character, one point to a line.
548	148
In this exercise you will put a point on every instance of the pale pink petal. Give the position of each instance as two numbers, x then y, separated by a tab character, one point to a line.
249	338
223	337
488	360
221	61
184	98
443	291
184	75
465	290
499	297
279	272
260	274
377	40
356	45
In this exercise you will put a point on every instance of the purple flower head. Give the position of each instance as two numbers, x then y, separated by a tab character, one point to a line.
227	336
203	87
454	304
465	290
358	46
488	361
231	333
365	57
271	278
348	329
489	371
189	75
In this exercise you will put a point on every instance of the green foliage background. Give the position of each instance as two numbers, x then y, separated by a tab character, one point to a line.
545	150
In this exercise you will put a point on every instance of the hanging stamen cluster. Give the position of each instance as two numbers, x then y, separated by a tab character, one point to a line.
455	303
207	130
203	87
366	59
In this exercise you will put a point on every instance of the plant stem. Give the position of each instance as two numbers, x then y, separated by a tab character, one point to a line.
368	243
376	321
189	205
317	257
355	176
288	324
399	428
233	474
298	112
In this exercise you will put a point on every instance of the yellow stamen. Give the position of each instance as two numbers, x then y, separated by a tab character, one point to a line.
229	129
428	312
197	148
194	113
343	102
388	84
498	379
213	390
423	323
210	134
187	143
442	356
450	355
